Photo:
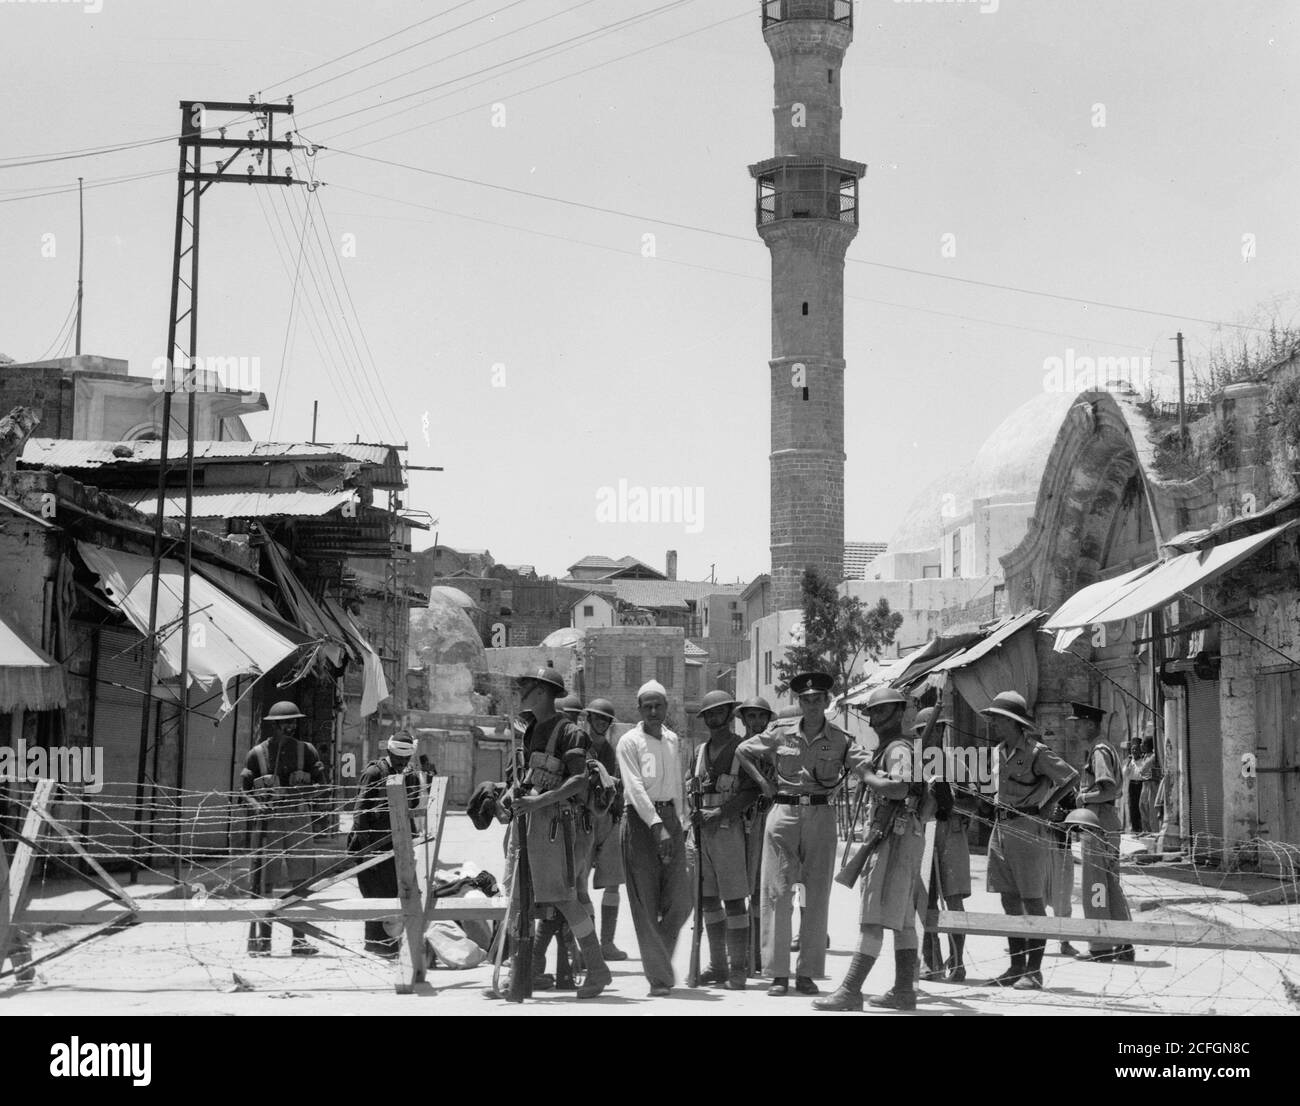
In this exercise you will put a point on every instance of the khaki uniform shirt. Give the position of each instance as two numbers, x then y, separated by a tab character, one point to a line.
806	767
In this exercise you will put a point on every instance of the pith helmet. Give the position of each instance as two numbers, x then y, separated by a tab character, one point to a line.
923	717
570	704
602	707
715	699
1011	704
283	711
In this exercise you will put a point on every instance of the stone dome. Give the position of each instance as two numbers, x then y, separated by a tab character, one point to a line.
1008	465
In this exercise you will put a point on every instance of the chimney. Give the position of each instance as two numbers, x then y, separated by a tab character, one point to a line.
670	568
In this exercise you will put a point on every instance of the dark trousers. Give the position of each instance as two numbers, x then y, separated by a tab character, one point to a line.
379	882
658	894
1135	808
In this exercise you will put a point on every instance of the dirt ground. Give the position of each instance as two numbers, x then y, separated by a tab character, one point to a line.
180	969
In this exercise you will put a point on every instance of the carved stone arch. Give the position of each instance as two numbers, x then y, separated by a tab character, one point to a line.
1088	485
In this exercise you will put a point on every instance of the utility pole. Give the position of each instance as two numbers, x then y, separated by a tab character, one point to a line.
1182	405
315	407
192	181
81	256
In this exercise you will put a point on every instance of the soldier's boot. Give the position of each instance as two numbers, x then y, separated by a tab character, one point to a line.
608	924
717	970
848	995
738	955
598	975
1032	980
1016	946
259	939
932	953
546	929
956	966
564	967
902	995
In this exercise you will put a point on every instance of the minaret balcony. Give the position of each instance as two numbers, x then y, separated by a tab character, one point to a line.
803	188
829	11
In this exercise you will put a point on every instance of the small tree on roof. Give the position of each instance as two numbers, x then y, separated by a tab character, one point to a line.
838	631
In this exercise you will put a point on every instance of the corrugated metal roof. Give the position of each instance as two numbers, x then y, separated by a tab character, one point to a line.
70	454
288	502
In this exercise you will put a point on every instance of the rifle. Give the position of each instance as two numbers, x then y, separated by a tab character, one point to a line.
693	971
852	869
521	956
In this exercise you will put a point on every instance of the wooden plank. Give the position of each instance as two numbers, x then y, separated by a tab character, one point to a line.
410	957
245	910
118	891
26	971
339	871
1201	935
436	818
17	885
192	911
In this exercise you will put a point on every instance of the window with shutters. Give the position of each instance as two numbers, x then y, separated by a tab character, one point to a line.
631	671
664	670
601	672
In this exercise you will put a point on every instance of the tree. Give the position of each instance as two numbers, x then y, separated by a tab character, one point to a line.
838	631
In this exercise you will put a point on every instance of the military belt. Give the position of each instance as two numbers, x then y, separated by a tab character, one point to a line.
802	800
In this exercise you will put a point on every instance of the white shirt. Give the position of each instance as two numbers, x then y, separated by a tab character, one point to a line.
652	772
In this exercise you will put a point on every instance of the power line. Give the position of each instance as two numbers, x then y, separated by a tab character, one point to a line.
456	54
323	349
289	322
523	91
375	42
63	326
750	241
595	32
424	41
374	368
721	272
13	162
107	182
346	370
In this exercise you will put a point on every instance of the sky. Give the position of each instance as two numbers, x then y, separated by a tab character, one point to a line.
557	294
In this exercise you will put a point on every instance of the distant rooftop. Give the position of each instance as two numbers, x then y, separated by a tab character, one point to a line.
858	555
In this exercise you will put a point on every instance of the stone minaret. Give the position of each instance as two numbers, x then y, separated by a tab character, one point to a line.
807	214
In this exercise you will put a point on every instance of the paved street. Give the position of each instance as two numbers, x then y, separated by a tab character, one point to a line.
176	969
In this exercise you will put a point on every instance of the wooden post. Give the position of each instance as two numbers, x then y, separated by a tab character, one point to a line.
434	821
410	960
15	882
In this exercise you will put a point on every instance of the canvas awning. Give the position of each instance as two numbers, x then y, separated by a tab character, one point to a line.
306	612
906	670
30	679
226	639
374	684
1002	660
1154	585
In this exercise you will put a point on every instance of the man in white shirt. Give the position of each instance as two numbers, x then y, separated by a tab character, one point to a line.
653	840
